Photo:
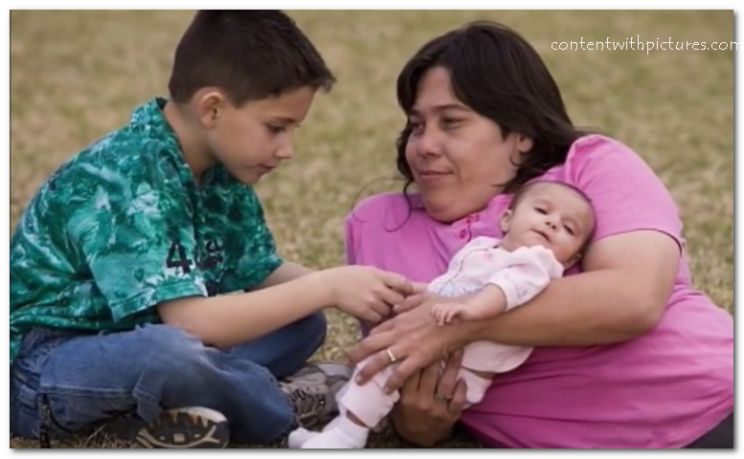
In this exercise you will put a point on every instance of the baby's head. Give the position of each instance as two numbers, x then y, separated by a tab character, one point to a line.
555	215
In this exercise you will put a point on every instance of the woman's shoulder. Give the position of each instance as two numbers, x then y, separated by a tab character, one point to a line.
384	205
595	145
597	154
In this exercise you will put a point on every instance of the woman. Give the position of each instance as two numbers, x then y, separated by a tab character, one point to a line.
629	354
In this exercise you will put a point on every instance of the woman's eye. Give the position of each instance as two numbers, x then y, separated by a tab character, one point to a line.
450	123
416	126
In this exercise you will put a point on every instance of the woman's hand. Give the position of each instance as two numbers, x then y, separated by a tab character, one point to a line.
365	292
430	403
413	339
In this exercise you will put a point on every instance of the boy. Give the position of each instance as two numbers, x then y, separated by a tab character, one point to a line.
120	262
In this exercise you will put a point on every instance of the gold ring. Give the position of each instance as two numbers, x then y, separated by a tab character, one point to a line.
390	355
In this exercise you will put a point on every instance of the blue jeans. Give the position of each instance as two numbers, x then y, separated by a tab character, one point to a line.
88	378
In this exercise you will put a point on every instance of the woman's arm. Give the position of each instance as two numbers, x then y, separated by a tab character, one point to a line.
621	295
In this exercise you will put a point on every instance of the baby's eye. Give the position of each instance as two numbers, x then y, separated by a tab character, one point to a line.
569	230
541	210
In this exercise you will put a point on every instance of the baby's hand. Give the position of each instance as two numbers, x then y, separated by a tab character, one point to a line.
445	313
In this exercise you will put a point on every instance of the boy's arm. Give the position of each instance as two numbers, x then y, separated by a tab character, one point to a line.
286	272
227	320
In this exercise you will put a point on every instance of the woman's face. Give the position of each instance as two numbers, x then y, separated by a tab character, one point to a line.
458	158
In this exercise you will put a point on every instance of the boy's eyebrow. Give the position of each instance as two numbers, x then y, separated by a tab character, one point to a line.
284	119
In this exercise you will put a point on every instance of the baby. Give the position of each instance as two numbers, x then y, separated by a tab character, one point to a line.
546	230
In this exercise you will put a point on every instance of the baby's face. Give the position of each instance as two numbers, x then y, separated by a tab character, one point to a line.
551	215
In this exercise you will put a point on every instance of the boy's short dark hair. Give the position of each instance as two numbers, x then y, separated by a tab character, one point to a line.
248	54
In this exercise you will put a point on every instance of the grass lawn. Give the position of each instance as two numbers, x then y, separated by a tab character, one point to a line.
77	75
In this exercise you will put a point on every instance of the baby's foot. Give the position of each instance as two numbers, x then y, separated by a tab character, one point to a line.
298	437
344	435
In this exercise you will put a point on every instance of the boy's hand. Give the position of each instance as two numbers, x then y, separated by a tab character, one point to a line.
445	313
365	292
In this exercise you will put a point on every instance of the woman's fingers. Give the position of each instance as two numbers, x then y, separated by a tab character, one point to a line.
371	344
457	404
407	367
378	354
429	379
385	326
411	386
448	380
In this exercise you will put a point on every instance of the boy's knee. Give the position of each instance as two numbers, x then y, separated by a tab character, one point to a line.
317	322
171	345
314	326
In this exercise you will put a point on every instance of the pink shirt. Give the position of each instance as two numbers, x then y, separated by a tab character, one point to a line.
661	390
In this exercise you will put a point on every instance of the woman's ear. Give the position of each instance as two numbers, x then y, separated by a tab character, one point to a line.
505	219
524	143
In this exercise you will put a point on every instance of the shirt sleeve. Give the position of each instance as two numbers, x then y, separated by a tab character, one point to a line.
527	273
135	236
625	193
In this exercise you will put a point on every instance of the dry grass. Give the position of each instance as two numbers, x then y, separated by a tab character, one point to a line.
77	75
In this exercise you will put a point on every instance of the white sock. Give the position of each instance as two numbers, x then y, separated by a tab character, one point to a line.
299	437
344	434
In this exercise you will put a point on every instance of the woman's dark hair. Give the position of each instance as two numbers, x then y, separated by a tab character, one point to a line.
498	74
248	54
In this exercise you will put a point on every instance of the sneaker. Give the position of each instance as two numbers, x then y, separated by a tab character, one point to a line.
313	390
187	427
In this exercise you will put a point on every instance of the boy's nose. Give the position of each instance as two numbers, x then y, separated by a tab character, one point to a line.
285	151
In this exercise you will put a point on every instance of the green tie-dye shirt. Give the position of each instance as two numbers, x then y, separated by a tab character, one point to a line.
123	226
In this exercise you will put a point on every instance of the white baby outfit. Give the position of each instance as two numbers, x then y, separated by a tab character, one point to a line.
521	274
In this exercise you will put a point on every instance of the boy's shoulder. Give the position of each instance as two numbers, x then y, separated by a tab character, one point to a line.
131	153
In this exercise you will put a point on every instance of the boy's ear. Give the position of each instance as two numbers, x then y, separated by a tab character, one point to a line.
505	219
208	106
